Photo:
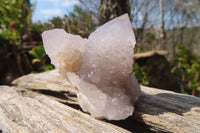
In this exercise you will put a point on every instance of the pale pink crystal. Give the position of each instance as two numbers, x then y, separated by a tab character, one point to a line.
99	67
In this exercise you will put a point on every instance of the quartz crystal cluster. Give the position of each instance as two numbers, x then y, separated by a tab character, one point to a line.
99	67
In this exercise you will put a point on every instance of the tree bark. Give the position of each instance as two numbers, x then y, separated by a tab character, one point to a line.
110	9
162	29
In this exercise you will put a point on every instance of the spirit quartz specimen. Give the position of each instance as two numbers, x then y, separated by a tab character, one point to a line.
99	67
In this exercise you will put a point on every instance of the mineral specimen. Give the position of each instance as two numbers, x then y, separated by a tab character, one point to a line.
99	67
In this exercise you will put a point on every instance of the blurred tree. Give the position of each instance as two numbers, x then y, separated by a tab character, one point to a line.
178	16
80	22
143	22
110	9
162	28
57	22
15	21
186	68
182	15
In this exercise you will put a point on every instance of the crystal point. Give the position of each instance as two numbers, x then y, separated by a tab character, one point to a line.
99	67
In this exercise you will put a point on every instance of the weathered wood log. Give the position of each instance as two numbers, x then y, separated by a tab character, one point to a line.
46	102
39	114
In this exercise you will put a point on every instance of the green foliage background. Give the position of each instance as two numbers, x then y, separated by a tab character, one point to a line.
186	68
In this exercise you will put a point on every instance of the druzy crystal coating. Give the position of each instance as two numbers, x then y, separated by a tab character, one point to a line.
99	67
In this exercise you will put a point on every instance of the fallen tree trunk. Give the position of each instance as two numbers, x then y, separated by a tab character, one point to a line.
47	102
